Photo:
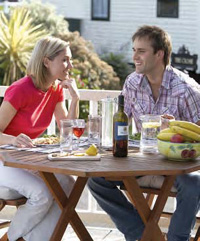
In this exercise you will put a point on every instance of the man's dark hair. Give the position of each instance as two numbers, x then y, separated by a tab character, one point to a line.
160	40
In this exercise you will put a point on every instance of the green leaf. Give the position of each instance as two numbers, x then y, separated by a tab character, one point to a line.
18	36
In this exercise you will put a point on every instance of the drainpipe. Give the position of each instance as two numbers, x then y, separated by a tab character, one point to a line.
6	7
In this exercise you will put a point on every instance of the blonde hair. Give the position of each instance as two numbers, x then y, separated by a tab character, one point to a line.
48	47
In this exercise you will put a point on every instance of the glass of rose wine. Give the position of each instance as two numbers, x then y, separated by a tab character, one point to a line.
78	129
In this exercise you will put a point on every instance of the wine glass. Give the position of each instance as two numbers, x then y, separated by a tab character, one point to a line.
78	129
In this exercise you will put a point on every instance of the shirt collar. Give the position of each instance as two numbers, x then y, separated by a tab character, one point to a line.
141	80
167	77
165	81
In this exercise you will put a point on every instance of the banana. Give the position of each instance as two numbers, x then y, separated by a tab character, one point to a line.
187	125
167	130
186	133
165	136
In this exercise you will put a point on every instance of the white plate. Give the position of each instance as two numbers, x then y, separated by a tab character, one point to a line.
52	157
47	145
134	143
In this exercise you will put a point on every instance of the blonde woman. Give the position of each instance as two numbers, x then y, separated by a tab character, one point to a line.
25	113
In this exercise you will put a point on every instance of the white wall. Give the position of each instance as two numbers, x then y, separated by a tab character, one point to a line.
77	9
126	16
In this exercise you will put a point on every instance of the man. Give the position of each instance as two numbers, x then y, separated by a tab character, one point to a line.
155	88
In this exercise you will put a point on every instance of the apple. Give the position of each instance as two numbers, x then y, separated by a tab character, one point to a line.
177	138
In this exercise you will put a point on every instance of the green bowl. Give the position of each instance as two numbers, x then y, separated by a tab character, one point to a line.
179	151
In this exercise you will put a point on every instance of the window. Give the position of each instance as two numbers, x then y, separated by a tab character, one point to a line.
101	10
167	8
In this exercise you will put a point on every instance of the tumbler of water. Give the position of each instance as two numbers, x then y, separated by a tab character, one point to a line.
150	128
94	129
66	135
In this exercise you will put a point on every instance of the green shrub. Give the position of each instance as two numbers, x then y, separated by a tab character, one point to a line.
119	64
17	40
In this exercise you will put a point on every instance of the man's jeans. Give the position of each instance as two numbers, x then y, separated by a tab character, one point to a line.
126	217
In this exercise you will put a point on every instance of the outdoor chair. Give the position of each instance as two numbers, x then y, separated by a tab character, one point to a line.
9	197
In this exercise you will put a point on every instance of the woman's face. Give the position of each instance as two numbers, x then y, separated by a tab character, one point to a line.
59	67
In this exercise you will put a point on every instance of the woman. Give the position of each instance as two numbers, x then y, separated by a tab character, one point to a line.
25	113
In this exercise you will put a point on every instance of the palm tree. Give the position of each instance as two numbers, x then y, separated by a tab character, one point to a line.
17	39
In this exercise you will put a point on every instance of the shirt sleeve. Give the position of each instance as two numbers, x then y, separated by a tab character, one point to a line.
127	99
191	105
61	94
14	96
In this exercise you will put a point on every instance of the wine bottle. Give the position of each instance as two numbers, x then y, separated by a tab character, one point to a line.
120	130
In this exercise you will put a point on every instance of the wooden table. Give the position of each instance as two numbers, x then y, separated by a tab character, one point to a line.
125	169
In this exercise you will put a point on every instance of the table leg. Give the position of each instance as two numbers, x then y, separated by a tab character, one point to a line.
150	217
67	206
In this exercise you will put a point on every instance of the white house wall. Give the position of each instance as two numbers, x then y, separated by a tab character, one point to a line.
77	9
126	16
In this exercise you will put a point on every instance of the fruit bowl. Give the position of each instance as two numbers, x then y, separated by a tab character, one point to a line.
179	151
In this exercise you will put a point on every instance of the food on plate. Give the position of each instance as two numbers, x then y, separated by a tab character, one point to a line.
92	150
136	136
48	140
61	154
79	154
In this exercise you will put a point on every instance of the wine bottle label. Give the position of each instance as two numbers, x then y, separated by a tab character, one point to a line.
120	131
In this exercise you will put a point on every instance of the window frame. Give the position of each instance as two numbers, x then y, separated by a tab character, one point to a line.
163	14
93	17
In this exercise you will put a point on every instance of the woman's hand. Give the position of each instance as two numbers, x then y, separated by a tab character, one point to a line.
22	140
70	84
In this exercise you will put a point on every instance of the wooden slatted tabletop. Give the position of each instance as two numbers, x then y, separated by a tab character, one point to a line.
133	165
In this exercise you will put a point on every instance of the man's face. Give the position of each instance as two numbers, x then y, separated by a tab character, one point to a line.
144	58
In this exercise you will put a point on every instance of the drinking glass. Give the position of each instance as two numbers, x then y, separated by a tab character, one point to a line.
150	128
78	129
94	129
66	135
165	119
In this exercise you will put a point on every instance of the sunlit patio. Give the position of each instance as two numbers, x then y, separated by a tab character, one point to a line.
97	222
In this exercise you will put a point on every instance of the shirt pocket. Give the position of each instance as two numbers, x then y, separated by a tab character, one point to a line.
170	110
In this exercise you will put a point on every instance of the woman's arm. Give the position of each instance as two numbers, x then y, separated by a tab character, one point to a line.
7	112
61	110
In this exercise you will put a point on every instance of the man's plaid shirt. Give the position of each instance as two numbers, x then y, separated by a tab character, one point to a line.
179	95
